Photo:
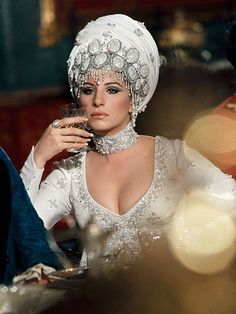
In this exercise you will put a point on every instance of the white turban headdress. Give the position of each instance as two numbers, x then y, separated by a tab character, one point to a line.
119	43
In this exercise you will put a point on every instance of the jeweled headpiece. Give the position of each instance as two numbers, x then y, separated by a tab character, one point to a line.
120	44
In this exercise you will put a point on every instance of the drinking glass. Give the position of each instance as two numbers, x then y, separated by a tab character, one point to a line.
73	110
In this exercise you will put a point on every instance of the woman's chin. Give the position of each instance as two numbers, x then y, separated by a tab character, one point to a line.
99	128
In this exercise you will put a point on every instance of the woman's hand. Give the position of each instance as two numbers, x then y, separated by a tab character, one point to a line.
55	140
43	281
37	274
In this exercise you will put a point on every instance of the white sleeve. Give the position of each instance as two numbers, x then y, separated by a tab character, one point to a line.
198	174
53	198
31	176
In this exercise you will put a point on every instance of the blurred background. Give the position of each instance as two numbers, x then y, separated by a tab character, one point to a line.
36	37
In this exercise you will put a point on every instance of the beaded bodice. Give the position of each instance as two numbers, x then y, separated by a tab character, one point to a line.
127	229
177	170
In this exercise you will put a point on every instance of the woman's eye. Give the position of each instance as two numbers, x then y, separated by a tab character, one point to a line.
112	90
87	90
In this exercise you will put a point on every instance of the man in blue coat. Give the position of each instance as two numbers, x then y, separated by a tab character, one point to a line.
23	239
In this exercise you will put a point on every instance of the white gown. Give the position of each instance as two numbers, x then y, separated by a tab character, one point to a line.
178	170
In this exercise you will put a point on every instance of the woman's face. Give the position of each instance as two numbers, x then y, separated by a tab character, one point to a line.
107	104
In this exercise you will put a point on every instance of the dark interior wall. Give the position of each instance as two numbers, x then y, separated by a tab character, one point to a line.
183	93
24	64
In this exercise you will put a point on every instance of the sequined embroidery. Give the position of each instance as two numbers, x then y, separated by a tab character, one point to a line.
126	227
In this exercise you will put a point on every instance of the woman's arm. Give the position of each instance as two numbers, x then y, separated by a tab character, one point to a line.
31	176
198	174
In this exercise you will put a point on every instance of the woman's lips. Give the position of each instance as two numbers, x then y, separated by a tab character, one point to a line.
99	115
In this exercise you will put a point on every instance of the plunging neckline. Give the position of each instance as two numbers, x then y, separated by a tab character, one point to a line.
129	211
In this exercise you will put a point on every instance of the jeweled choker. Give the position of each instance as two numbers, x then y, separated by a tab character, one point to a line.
112	144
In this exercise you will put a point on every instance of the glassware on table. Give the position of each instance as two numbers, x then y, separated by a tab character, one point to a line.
73	110
94	240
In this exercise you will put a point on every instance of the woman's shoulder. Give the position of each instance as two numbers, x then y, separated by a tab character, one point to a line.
160	140
162	143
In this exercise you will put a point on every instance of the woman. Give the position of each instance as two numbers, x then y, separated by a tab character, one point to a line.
20	231
128	182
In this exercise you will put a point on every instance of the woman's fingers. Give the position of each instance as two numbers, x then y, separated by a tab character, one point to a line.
56	139
75	139
75	132
66	122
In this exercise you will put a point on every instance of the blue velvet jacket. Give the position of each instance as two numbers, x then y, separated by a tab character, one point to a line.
23	239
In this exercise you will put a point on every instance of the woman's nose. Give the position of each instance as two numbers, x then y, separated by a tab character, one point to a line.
98	99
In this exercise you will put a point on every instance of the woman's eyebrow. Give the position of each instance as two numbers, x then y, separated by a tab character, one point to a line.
113	83
106	84
91	84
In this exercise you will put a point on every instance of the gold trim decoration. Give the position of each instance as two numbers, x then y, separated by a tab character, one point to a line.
49	32
183	32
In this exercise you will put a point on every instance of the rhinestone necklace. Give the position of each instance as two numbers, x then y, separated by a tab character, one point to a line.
111	144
